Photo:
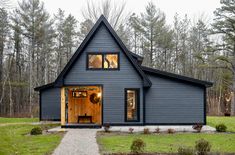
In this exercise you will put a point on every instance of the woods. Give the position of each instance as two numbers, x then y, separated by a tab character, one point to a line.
36	45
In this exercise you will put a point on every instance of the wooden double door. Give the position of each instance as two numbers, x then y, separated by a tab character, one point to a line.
85	104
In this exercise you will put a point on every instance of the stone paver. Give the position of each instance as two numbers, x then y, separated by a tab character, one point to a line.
78	142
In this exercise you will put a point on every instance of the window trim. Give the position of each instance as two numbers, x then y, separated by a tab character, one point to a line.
137	90
103	56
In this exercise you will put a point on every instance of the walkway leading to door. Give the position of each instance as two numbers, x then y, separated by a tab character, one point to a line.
78	141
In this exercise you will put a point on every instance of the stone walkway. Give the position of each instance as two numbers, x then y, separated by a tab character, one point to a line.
78	142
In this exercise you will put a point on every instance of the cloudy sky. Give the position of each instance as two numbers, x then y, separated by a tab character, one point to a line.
194	8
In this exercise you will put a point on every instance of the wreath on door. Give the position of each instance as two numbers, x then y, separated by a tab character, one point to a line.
94	98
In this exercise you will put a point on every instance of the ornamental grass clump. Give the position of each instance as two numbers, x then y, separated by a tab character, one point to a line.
170	131
131	130
146	131
157	130
36	131
202	147
197	127
138	146
221	128
107	127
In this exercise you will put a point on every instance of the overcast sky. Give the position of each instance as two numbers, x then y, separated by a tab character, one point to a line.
194	8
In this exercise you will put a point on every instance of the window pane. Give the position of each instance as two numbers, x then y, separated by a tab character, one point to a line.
95	61
131	105
111	61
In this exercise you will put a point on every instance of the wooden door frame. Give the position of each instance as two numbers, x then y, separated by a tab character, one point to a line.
64	115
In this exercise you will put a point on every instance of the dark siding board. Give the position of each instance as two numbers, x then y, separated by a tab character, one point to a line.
50	104
114	82
172	102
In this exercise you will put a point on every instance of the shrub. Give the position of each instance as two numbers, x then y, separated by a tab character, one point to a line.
146	131
36	131
202	147
157	130
131	130
137	146
221	128
198	127
170	131
185	151
106	127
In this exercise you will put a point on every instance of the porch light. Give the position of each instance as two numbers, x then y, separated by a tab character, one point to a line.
99	95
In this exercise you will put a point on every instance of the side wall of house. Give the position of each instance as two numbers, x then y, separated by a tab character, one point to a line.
174	102
50	104
114	82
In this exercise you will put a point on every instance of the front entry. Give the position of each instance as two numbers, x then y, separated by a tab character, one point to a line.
84	105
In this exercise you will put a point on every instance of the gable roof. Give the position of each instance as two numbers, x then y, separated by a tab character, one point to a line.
176	76
101	20
132	57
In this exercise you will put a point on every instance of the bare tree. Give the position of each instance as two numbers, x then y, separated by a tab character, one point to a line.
115	13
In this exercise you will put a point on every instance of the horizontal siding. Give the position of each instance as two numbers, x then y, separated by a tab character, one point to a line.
169	101
114	82
50	104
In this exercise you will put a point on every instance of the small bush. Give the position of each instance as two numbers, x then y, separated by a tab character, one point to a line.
106	127
221	128
131	130
157	130
170	131
202	147
36	131
146	131
137	146
185	151
198	127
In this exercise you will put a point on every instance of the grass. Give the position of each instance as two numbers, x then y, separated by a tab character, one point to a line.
165	143
228	121
169	143
4	120
15	138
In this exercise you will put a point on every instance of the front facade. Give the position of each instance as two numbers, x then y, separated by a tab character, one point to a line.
104	83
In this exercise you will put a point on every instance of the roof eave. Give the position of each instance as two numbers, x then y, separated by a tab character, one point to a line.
177	76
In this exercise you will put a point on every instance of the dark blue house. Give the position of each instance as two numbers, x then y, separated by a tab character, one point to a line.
104	83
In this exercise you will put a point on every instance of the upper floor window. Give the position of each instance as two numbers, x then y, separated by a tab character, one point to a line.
105	61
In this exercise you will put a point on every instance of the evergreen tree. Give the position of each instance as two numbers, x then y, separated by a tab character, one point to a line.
225	24
69	35
152	23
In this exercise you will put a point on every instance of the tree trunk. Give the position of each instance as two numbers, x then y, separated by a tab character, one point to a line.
233	94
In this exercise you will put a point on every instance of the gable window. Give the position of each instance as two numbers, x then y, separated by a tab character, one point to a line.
95	60
103	61
132	104
110	61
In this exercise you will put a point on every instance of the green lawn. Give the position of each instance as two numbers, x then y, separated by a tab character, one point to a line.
165	143
15	139
4	120
228	121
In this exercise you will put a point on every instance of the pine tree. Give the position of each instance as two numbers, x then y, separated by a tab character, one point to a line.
69	35
152	23
33	20
59	21
4	26
225	25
